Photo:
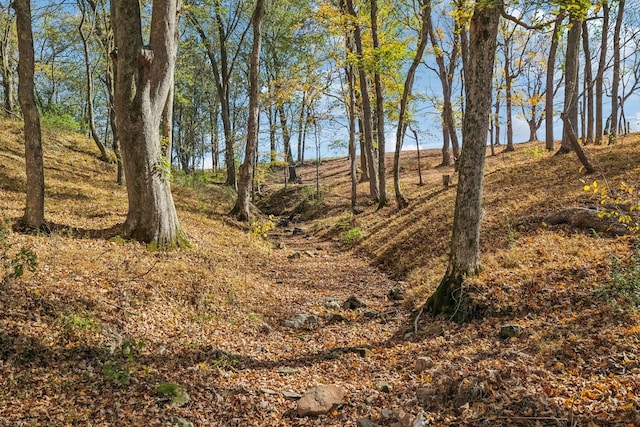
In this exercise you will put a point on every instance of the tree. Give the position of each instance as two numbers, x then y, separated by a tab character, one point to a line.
34	211
615	79
464	257
7	47
241	208
551	68
382	168
403	119
571	78
602	65
144	75
84	19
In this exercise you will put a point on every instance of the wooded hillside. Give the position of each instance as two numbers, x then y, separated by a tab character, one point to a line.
234	330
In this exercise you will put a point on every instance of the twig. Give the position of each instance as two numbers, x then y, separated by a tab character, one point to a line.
415	322
151	268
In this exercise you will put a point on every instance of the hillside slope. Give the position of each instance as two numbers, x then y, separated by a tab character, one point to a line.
89	336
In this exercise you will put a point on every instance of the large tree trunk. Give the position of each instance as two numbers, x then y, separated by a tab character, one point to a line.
615	79
464	258
286	138
602	65
571	80
551	69
34	210
143	81
241	210
404	102
382	168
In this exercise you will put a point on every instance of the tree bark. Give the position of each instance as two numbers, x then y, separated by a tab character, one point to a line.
602	65
144	75
374	188
404	101
241	210
571	79
588	84
382	168
615	79
551	68
104	155
7	66
464	258
34	211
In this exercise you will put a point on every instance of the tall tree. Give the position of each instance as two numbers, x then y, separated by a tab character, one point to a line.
85	33
464	256
34	210
241	208
7	47
551	69
587	94
571	78
602	65
144	75
382	168
615	79
365	105
403	115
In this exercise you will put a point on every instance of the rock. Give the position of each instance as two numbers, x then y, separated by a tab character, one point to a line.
291	395
365	422
386	414
295	255
424	395
361	351
336	318
310	254
173	393
299	320
181	422
510	331
320	399
332	304
396	294
353	302
279	245
371	314
423	363
385	387
297	231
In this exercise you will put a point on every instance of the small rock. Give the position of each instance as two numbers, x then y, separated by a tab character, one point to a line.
510	331
336	318
320	399
295	255
371	314
310	254
181	422
423	363
173	393
332	304
299	320
361	351
385	387
291	395
396	294
365	422
279	245
353	302
297	231
386	414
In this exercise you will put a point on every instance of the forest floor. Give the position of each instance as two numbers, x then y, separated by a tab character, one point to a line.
246	324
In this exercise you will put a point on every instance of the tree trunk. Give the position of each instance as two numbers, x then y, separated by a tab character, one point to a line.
446	143
286	138
241	208
34	211
382	168
7	67
374	189
551	68
404	102
602	65
508	81
571	80
615	79
588	84
143	79
104	155
464	259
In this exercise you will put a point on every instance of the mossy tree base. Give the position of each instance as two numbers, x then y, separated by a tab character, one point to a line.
452	299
